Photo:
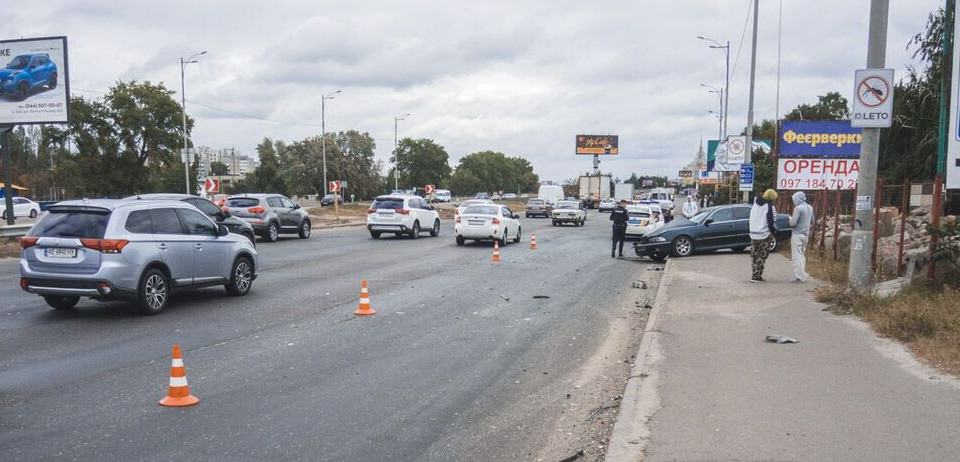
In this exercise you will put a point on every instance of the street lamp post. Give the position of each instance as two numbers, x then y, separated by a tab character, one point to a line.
719	93
323	135
396	151
726	86
183	107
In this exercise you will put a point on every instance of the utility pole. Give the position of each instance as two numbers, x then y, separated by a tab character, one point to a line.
862	238
753	79
7	181
396	151
323	135
183	106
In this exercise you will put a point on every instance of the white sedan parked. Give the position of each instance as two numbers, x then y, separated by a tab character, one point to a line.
22	207
487	222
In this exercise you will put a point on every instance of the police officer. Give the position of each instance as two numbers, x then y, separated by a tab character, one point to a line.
619	218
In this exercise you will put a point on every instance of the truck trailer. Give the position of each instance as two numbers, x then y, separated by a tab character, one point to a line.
593	188
623	192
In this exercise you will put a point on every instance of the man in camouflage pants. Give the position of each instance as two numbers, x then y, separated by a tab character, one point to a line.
762	231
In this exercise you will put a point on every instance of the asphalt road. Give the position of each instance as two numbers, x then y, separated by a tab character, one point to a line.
449	368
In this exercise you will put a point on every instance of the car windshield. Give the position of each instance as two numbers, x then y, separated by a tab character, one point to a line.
391	203
481	210
698	218
20	62
567	205
72	224
243	202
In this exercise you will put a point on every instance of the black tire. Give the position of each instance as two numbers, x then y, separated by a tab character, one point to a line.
305	229
241	277
527	215
461	240
517	238
3	215
375	234
273	232
555	223
436	228
503	239
682	247
52	83
23	91
153	293
415	232
61	302
33	213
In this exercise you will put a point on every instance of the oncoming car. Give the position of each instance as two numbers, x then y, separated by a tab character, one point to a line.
487	222
568	212
132	250
402	215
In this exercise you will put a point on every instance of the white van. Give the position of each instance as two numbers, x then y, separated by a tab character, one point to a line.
442	195
662	196
550	193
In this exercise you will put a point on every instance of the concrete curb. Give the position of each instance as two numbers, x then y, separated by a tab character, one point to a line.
640	398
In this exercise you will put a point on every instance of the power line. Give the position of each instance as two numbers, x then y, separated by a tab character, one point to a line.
743	35
248	116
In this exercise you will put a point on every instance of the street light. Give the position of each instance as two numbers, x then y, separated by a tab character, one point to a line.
719	93
183	106
726	87
396	148
323	135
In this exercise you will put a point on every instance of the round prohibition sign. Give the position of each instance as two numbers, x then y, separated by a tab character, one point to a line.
736	147
873	91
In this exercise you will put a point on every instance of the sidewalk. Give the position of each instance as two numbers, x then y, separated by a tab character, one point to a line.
714	390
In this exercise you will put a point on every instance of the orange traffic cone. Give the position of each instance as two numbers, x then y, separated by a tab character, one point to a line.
496	251
533	241
364	308
179	393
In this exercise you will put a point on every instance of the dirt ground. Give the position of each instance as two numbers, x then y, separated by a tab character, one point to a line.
9	248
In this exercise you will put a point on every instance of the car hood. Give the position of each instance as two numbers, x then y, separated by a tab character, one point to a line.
677	224
4	73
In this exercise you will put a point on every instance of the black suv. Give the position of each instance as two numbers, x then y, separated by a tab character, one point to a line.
221	216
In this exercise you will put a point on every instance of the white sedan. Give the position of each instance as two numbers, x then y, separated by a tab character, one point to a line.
487	222
568	212
642	220
22	207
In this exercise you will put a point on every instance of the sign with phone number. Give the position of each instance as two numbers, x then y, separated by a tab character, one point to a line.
800	174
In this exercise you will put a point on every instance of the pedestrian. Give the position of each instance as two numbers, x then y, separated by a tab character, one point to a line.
619	218
667	216
690	207
762	231
800	224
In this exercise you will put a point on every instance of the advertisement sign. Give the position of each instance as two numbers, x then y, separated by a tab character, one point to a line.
873	98
708	181
736	150
818	173
597	145
686	173
835	138
746	177
34	81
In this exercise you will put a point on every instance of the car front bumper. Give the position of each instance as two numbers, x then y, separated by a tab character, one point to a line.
645	248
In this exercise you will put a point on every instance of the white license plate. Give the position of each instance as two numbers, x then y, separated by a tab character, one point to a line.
385	214
476	222
60	253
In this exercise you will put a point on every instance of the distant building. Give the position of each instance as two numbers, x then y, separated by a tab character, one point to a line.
238	165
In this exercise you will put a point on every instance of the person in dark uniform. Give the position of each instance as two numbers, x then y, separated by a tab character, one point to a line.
619	218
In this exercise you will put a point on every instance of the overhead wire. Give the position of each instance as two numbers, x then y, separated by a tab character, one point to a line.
743	36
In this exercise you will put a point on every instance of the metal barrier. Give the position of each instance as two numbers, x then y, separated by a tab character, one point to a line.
14	230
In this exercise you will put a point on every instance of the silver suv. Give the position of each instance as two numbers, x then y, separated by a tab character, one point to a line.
270	215
133	250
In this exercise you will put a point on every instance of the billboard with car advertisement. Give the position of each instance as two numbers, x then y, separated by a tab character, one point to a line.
597	144
835	138
34	81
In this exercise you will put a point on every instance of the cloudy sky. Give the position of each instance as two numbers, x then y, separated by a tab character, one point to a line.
521	77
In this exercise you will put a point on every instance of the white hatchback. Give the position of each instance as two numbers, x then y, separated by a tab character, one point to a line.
487	222
402	215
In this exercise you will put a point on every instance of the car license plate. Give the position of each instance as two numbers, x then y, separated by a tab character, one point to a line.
60	253
385	214
475	222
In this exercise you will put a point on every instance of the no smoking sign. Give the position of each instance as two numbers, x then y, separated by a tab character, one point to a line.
873	99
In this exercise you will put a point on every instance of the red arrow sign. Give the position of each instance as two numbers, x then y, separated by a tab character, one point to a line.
334	186
212	185
429	189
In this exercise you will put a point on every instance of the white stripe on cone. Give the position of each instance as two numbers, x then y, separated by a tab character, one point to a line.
364	300
177	362
178	381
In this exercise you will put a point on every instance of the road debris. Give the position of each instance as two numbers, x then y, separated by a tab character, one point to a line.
781	339
655	268
541	296
574	457
505	297
639	285
600	409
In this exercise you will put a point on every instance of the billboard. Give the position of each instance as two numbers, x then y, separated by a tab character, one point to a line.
34	81
818	173
820	139
597	144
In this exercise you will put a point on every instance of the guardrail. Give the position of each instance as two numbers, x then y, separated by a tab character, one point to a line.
14	230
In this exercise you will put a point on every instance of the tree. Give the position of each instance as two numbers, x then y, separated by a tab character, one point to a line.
498	172
219	168
421	161
354	161
832	106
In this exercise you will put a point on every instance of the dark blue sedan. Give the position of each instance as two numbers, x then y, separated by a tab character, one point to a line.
715	228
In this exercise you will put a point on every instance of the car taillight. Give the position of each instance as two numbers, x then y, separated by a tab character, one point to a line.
496	221
28	241
371	210
458	219
105	245
23	283
256	210
403	212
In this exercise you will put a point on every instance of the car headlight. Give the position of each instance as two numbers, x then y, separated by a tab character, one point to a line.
658	239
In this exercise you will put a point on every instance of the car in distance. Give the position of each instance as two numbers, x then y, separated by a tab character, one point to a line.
480	195
641	220
537	207
509	196
715	228
270	215
22	207
568	212
442	195
495	197
328	200
402	215
607	205
468	203
219	215
131	250
487	222
25	73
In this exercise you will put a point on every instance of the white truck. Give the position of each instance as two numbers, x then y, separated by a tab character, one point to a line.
623	192
593	188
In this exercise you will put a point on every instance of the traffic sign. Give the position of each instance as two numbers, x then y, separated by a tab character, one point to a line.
211	185
746	177
873	98
429	189
334	186
736	149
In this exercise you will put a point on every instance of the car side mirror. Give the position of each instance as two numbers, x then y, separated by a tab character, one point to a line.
707	223
222	230
296	206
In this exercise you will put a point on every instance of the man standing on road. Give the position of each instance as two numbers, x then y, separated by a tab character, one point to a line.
800	223
762	231
619	218
690	207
